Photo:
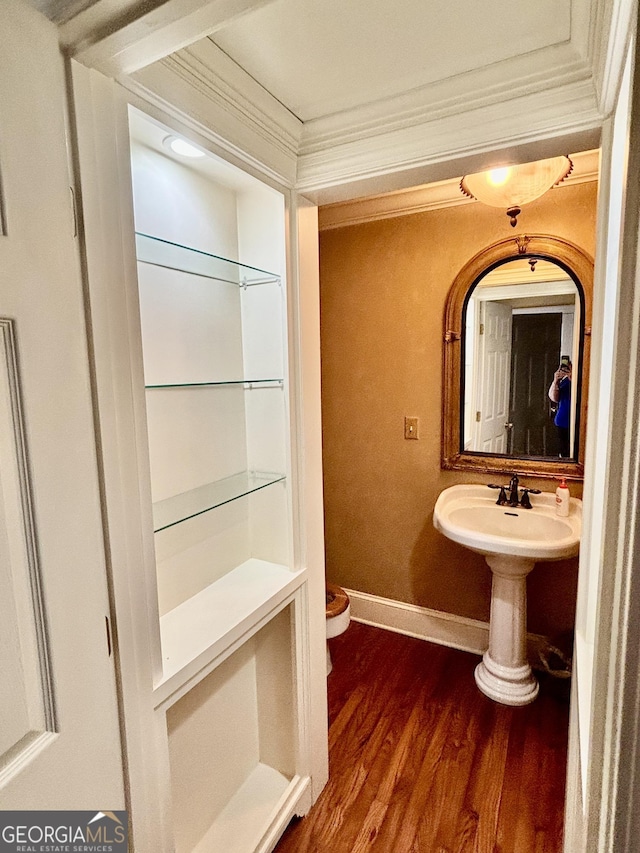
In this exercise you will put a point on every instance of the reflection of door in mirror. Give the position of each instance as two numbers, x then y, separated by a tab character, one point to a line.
535	356
518	324
492	394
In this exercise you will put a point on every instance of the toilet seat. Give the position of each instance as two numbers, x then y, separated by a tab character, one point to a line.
338	613
337	600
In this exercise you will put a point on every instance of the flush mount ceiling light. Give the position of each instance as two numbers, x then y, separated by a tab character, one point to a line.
512	186
181	147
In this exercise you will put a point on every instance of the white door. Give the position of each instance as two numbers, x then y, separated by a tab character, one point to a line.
493	389
59	734
603	791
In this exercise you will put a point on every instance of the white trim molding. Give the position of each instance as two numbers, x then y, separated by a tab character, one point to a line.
435	196
434	626
130	38
549	101
612	25
528	127
214	92
536	71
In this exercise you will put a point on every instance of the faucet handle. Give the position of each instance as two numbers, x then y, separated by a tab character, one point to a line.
525	503
502	497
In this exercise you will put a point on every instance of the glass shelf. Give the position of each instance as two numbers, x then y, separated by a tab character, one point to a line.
277	383
173	256
179	508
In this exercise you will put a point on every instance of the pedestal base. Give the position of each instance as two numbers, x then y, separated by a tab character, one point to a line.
510	685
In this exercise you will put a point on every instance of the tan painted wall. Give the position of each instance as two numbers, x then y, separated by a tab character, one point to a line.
383	291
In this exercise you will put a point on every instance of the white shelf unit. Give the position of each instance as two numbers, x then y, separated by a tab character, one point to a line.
232	746
199	631
230	601
214	530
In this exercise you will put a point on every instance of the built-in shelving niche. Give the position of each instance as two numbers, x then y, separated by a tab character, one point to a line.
220	546
232	745
216	389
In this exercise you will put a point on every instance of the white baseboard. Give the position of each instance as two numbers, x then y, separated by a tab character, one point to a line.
435	626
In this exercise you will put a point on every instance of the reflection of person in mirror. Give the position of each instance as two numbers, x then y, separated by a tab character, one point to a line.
560	393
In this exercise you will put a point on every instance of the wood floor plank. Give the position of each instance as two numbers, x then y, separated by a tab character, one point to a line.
512	781
379	806
422	762
360	754
409	719
398	725
451	824
487	776
411	790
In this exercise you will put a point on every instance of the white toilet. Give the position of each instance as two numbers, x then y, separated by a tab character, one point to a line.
338	614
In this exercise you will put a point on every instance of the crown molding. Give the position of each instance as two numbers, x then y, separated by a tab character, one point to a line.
226	82
612	26
536	71
556	280
118	37
216	93
434	196
536	105
539	125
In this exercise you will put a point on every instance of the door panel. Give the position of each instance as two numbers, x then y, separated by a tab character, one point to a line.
26	700
59	742
535	357
495	349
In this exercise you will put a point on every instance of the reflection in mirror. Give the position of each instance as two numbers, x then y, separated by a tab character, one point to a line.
521	362
531	276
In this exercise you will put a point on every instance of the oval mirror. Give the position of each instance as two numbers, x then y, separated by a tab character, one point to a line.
516	323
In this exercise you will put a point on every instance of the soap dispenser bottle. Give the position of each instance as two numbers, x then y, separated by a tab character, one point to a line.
562	499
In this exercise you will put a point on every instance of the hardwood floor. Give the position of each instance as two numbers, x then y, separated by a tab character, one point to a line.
421	762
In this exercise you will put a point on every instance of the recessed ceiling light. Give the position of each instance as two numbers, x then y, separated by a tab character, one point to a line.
181	147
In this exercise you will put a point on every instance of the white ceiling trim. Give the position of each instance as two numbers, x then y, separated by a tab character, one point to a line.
408	150
140	39
434	196
216	93
510	107
118	36
523	129
212	110
524	289
538	71
216	74
97	17
610	38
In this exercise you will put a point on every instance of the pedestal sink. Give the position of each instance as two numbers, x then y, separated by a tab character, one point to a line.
512	540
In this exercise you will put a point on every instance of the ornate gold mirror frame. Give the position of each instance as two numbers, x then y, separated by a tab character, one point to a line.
580	267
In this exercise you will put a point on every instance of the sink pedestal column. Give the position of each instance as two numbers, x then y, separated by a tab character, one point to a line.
504	673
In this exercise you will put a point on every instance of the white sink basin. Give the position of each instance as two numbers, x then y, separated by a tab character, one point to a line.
512	539
469	515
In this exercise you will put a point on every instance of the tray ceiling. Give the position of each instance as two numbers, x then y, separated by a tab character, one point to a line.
319	57
322	58
337	94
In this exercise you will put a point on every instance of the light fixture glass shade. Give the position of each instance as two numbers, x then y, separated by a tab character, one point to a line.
512	186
